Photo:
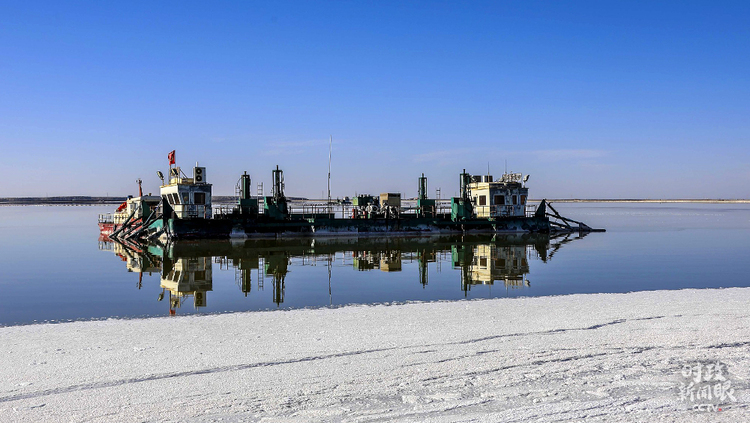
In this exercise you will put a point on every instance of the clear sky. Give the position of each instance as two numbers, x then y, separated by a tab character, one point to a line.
599	99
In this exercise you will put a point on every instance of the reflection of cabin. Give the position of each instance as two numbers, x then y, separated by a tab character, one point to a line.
506	197
486	263
189	197
386	261
189	277
390	261
492	263
364	260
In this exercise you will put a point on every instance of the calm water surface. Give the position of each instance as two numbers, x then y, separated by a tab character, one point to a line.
54	268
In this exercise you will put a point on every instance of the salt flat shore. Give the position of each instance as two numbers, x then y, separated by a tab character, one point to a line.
599	357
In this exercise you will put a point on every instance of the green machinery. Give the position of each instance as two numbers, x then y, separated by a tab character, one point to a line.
425	206
276	206
461	207
363	200
248	205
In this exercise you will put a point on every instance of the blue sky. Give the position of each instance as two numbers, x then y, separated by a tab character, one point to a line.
592	99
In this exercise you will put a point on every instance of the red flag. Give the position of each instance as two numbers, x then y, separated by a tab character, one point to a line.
170	156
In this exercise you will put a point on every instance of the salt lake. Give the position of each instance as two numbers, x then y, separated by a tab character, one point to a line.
56	268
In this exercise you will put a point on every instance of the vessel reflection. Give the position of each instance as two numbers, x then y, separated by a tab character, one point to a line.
187	268
184	278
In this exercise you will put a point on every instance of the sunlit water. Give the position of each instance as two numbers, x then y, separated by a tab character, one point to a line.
55	269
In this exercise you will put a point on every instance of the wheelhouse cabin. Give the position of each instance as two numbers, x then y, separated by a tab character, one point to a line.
504	198
190	198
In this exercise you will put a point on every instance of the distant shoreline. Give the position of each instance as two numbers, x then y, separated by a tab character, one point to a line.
80	200
62	200
225	199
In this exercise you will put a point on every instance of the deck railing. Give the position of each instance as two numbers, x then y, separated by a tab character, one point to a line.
310	209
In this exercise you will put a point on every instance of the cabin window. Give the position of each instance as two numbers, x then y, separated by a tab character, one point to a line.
175	198
523	199
482	200
499	200
515	200
185	198
200	198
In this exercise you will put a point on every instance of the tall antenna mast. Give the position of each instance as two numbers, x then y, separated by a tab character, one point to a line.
330	148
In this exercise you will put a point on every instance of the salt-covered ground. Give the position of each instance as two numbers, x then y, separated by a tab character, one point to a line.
603	357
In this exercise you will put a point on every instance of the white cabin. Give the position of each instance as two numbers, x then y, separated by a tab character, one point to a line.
189	197
506	197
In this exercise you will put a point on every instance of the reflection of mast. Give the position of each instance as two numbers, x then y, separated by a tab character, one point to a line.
425	257
330	263
276	266
462	256
423	272
246	282
330	297
245	276
278	289
243	269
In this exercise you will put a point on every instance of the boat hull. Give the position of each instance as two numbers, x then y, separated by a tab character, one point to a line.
320	227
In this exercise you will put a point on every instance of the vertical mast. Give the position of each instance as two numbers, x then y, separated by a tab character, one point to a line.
330	147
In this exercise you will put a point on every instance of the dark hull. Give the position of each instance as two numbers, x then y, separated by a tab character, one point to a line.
321	227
